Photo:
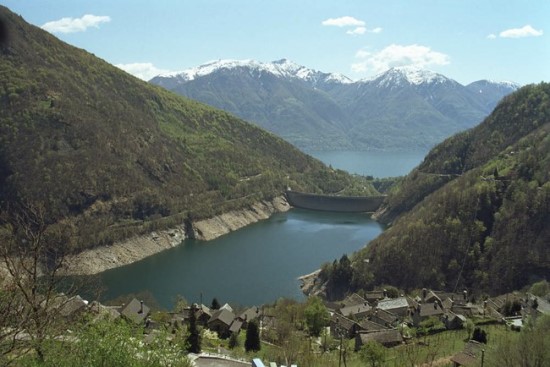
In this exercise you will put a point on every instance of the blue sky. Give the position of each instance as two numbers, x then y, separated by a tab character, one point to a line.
465	40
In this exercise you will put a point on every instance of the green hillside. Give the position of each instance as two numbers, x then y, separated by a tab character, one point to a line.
488	227
115	156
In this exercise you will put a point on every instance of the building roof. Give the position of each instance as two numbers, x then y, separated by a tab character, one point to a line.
342	322
356	309
386	316
389	304
223	315
384	337
372	296
236	326
353	299
250	314
368	325
133	311
227	307
430	309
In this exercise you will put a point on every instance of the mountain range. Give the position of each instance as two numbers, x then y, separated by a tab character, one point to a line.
401	109
112	156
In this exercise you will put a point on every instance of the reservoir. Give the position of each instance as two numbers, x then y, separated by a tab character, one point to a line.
261	262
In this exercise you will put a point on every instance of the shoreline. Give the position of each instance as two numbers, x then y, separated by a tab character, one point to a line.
100	259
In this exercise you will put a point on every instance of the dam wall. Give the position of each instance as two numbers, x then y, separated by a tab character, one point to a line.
350	204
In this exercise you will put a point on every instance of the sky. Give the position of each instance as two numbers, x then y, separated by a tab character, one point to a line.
467	40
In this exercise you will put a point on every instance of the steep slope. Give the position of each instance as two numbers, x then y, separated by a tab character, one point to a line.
403	108
488	229
467	150
114	156
281	97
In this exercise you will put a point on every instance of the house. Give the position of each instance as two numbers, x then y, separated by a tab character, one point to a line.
249	315
342	326
357	311
352	300
374	296
387	338
108	312
369	326
453	321
398	306
236	326
470	356
220	322
135	311
384	318
427	310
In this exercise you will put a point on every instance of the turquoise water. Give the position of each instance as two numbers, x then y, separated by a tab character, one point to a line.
252	266
377	164
261	262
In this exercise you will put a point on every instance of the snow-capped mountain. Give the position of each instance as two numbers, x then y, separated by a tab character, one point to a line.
283	68
402	108
407	75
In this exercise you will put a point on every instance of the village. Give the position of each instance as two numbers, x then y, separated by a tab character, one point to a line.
382	317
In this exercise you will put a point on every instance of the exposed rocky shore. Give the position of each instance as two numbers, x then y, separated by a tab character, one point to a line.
103	258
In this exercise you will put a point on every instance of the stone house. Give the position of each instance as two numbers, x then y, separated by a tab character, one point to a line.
427	310
398	306
384	318
387	338
135	311
221	321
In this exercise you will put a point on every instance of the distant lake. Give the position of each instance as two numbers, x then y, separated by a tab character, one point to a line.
261	263
371	163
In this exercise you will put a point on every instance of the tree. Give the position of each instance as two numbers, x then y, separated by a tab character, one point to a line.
33	253
233	340
215	304
193	341
316	315
372	353
252	342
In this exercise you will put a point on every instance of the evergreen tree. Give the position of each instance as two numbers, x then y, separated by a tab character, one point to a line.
215	304
193	338
252	342
233	340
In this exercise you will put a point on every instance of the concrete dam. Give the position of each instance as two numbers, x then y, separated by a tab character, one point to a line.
350	204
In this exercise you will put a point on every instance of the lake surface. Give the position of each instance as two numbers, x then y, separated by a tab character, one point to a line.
372	163
252	266
261	263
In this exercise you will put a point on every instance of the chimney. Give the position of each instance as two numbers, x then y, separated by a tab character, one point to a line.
465	294
140	306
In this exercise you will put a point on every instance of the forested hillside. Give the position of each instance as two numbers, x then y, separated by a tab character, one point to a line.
488	227
113	156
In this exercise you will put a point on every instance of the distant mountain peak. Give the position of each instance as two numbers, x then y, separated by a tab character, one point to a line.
412	75
281	68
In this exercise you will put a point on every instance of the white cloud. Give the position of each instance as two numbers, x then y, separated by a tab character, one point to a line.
491	36
346	21
398	55
71	25
357	31
143	70
525	31
376	30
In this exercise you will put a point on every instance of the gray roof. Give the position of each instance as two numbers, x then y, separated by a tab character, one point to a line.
392	303
353	299
236	326
385	316
72	306
385	337
225	316
341	322
371	326
133	312
250	314
355	309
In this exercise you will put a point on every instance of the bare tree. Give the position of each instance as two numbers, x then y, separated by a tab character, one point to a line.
32	254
